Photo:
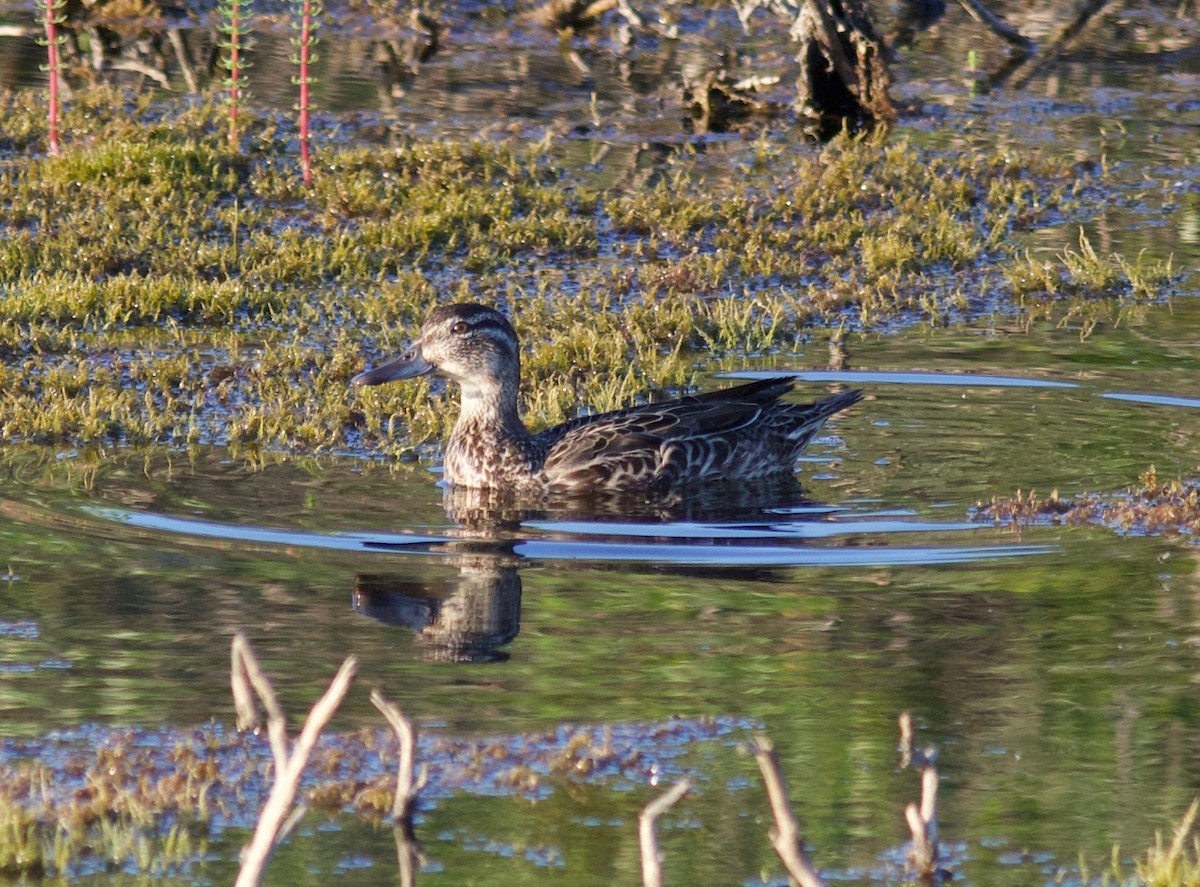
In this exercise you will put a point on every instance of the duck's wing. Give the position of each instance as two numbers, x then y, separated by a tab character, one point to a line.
656	445
758	393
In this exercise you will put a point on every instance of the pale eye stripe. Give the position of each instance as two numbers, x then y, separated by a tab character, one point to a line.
491	323
496	331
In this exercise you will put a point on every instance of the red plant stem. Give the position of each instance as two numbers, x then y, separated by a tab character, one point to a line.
234	70
52	63
305	42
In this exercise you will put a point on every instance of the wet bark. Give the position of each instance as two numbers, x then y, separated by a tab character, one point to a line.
844	76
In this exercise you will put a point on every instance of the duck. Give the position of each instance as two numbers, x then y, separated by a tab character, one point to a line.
743	433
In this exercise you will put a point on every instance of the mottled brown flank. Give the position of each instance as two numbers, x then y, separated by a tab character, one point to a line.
1154	509
740	433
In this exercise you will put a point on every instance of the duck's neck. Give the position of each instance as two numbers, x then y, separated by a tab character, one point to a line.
490	445
490	409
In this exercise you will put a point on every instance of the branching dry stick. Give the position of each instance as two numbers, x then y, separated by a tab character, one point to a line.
407	787
274	822
998	26
648	836
922	820
247	678
408	849
786	838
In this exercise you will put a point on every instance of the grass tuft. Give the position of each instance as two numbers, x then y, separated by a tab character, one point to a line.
159	288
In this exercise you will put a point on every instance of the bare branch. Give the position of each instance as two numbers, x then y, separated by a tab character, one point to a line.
998	26
277	817
786	839
407	788
133	65
651	858
247	674
1055	47
922	820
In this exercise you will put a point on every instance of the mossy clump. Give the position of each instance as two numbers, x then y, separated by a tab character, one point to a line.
1153	508
153	800
158	289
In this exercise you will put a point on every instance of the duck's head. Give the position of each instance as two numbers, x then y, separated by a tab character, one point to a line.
472	344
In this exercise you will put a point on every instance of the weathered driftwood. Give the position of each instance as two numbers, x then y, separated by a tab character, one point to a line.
277	817
648	836
922	819
786	838
844	76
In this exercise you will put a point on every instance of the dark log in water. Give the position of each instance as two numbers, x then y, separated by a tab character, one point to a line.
844	76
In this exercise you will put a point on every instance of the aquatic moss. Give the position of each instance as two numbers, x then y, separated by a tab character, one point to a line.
1153	507
157	289
151	801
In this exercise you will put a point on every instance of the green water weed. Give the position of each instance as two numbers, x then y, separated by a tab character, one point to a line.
237	313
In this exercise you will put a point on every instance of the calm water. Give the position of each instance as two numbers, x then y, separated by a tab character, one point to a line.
1050	664
1056	668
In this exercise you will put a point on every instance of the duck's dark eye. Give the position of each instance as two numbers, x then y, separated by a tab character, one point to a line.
460	328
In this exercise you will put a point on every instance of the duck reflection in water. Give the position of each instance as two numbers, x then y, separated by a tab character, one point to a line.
725	454
467	618
472	615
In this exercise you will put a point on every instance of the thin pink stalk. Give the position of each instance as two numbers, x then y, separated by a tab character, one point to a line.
235	65
305	53
52	63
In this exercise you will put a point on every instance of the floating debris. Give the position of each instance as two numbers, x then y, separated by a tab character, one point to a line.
1170	508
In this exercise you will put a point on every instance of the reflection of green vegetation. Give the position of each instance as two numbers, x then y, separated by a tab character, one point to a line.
1016	662
160	289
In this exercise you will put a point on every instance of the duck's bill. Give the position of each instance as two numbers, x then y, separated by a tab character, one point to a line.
408	365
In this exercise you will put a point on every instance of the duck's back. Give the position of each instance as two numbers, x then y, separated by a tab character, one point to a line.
743	433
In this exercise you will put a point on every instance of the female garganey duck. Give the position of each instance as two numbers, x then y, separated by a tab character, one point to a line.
741	433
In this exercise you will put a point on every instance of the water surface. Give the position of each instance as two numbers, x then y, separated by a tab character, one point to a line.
1049	663
1054	666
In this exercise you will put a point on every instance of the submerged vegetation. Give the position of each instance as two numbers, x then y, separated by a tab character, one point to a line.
152	800
1160	508
160	289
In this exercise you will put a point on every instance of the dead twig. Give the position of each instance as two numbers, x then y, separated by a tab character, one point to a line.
277	818
409	853
648	836
407	787
998	26
922	820
137	67
786	838
184	58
